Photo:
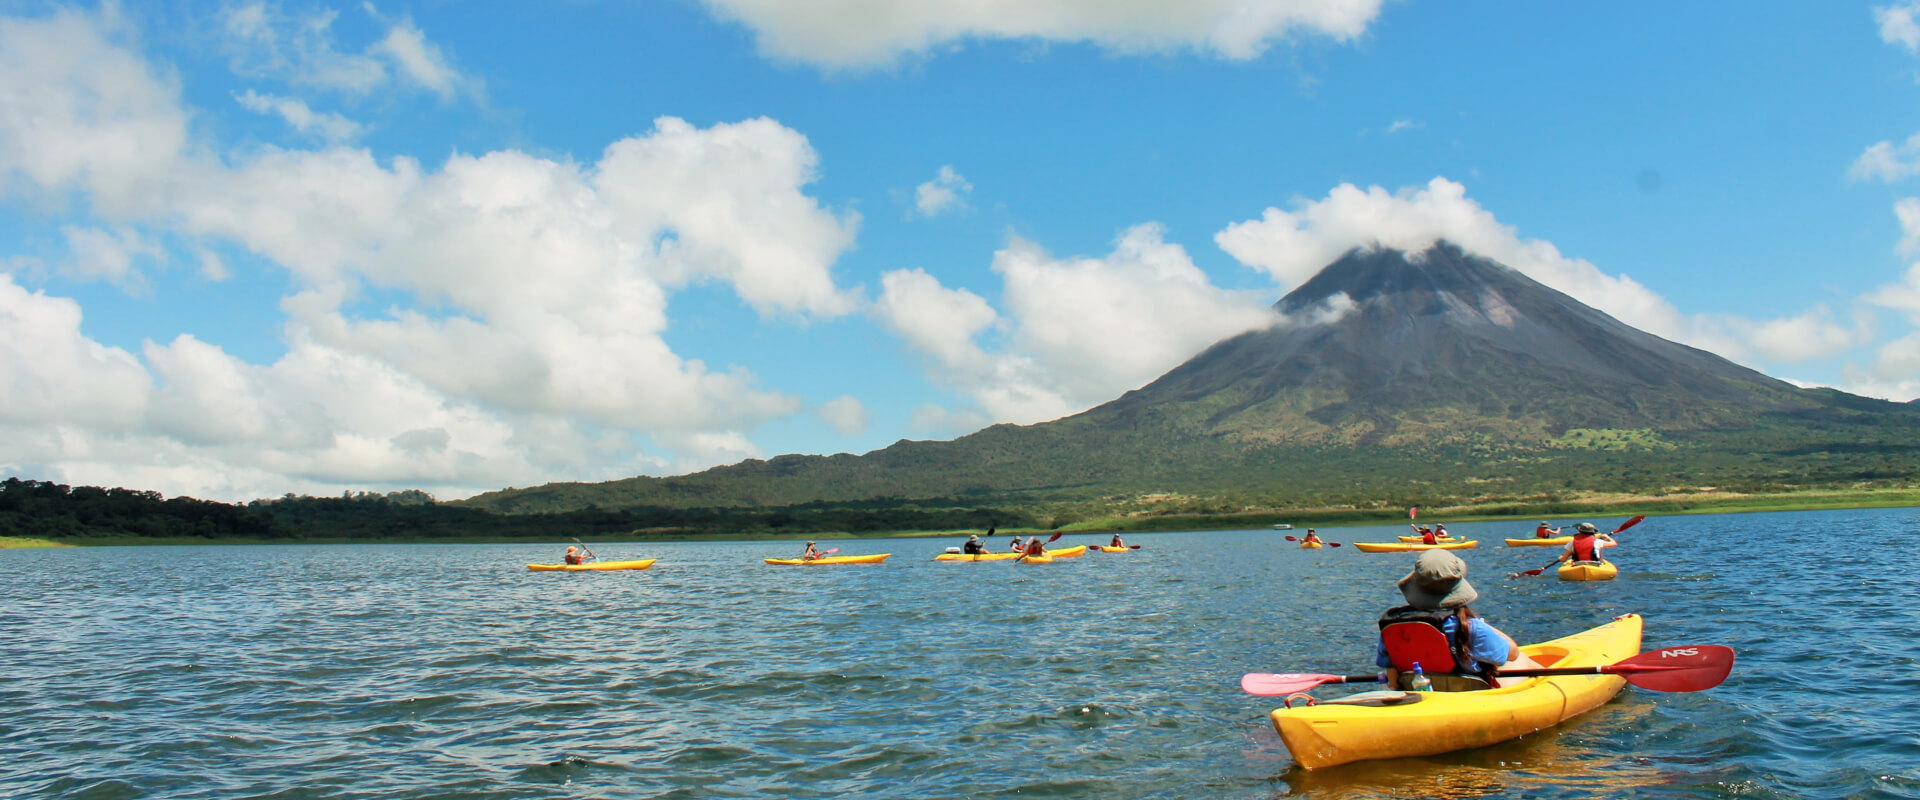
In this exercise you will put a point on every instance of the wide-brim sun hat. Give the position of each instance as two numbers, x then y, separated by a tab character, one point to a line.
1586	529
1438	580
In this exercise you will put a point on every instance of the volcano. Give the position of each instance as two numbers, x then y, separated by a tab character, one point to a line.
1439	374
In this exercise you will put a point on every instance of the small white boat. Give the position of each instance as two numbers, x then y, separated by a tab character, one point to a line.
1282	527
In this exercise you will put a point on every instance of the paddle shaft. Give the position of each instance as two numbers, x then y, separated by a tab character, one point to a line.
584	548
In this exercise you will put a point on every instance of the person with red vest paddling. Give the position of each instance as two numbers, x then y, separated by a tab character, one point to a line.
1544	532
1587	543
1438	597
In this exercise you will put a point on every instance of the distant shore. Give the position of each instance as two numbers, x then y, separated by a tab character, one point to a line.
1523	514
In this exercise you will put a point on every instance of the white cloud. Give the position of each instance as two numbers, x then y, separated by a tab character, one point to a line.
303	50
53	375
1903	296
327	125
1897	26
528	295
1078	331
1293	245
1888	162
109	254
943	192
846	414
1404	125
864	33
1894	374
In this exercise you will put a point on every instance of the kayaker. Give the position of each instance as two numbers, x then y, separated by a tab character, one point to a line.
1544	532
1035	547
811	553
1017	546
1587	543
573	555
1311	537
1116	542
1438	594
1440	532
1427	536
973	547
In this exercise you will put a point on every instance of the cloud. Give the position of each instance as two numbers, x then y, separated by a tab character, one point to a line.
1888	162
52	375
1292	246
303	50
326	125
1077	331
1404	125
1897	26
524	299
837	34
109	255
846	414
942	193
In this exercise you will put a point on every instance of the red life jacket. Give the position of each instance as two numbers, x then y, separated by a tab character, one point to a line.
1542	533
1427	537
1584	549
573	558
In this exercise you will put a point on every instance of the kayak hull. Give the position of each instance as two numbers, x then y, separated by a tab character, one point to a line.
1442	722
1310	545
1547	542
1105	549
1588	571
1075	551
594	566
826	560
1407	547
1009	556
1043	558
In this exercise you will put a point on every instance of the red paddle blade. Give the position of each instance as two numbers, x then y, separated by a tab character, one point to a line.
1055	536
1691	668
1333	544
1270	684
1291	539
1630	523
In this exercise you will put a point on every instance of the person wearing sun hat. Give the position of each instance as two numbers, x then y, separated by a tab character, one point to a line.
1587	543
1544	532
1438	594
973	547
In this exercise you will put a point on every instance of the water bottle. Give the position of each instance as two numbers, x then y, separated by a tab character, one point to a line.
1420	682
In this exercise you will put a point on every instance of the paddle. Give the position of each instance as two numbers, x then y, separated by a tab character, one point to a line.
1327	543
583	547
1670	669
1532	572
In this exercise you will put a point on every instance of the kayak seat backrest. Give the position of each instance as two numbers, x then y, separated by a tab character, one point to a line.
1409	642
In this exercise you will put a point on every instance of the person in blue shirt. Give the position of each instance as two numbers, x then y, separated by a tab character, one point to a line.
1438	594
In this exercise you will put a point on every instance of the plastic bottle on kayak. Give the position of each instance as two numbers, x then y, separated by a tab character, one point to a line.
1420	682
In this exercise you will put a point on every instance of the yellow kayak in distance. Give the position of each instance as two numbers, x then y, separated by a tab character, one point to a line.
1549	541
825	560
1008	556
1075	551
1043	558
1331	733
1105	549
1406	547
594	566
1587	571
1310	545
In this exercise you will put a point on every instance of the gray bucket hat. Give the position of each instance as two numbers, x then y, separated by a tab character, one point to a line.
1587	528
1438	580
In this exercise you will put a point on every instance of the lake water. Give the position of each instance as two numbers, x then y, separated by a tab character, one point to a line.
451	671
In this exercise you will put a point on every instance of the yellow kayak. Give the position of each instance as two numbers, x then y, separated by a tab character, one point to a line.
1441	722
1075	551
1587	571
1551	540
1105	549
595	565
1009	556
1405	547
1043	558
824	560
1310	545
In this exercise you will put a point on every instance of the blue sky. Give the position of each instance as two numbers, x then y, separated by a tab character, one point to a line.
252	248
